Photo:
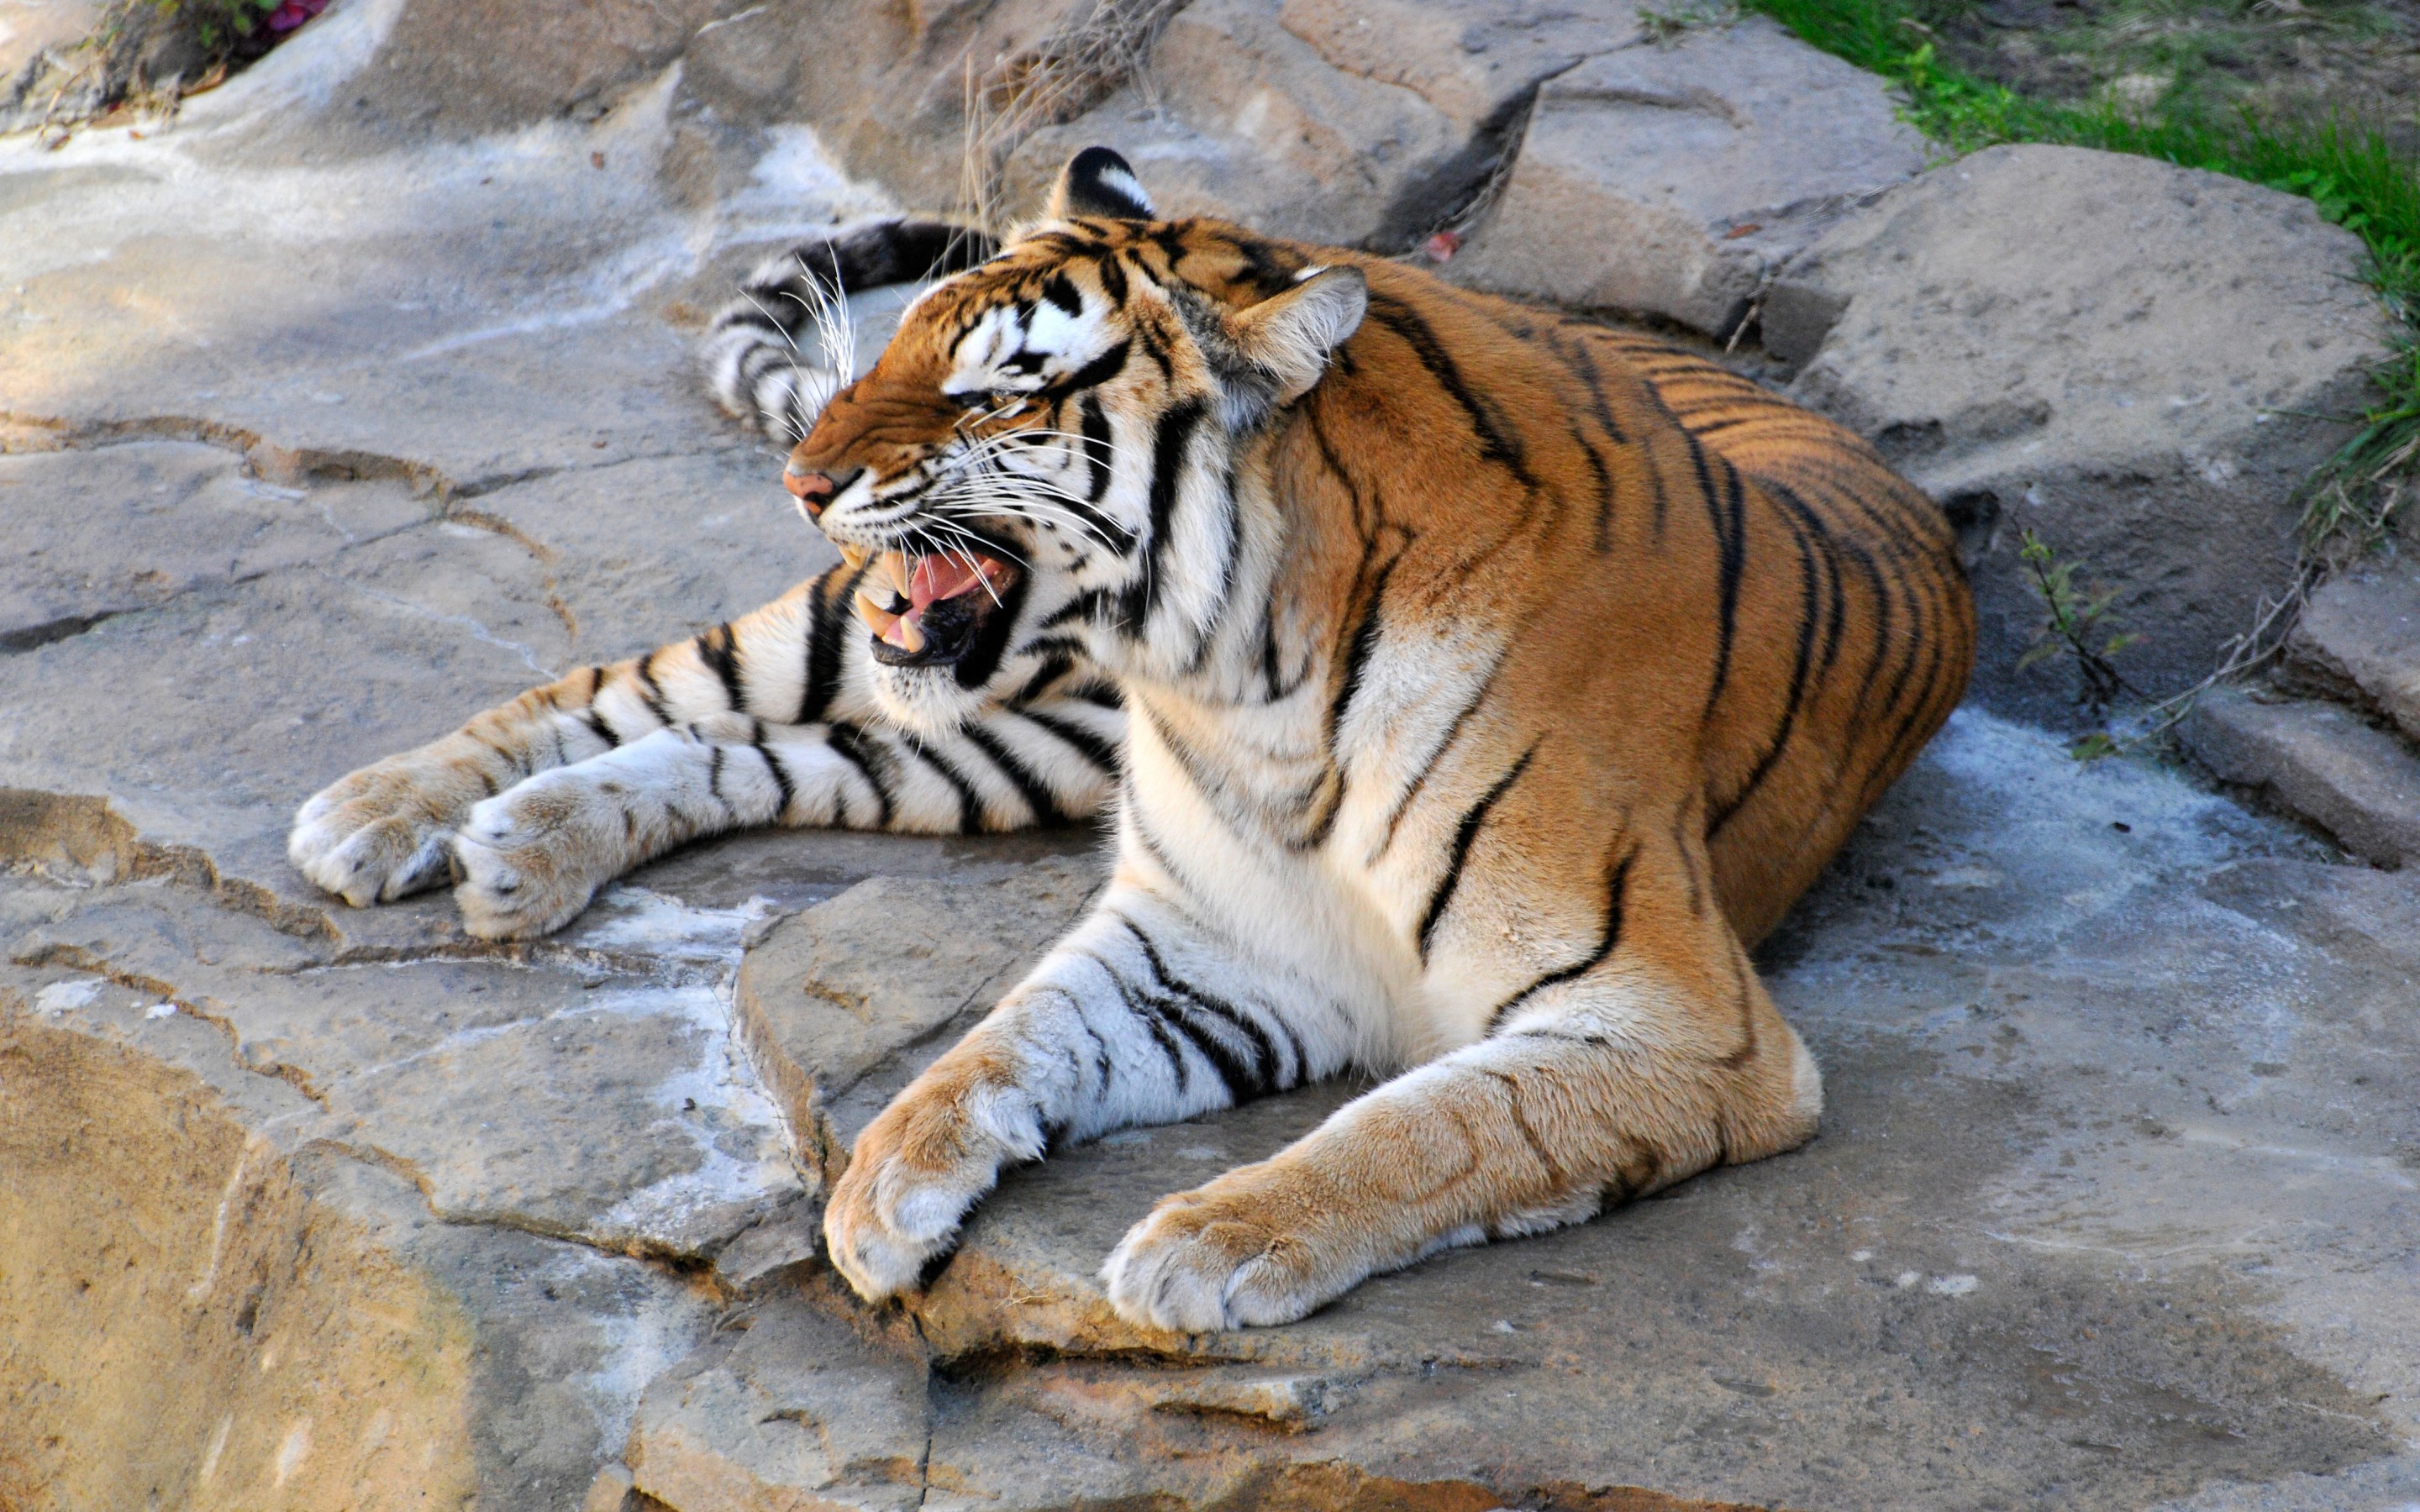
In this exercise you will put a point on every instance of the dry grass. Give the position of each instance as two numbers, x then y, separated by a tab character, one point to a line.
1102	50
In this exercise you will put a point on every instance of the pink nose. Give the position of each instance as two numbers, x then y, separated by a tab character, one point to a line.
813	489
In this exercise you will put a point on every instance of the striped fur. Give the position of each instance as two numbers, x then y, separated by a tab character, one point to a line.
1494	681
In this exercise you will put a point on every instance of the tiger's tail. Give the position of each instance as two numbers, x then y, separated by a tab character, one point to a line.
777	354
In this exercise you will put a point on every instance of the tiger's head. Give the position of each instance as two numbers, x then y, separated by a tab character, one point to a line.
1041	463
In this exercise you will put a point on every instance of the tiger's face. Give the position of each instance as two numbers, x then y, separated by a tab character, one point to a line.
1036	465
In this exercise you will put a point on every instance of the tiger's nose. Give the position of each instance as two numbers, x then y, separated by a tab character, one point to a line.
816	490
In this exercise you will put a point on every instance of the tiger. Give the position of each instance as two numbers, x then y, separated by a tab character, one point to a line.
1468	687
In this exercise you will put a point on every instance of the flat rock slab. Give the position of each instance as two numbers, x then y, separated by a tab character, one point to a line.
2359	638
2119	1147
840	1006
2127	357
2316	760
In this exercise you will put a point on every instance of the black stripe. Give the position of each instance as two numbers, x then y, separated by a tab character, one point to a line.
1357	655
1726	511
1037	794
1429	766
1152	1019
720	650
1495	443
772	764
1808	609
1092	374
1266	1066
1168	444
1617	894
852	745
1061	293
1464	835
1099	452
970	812
1113	277
654	695
824	644
595	721
1092	747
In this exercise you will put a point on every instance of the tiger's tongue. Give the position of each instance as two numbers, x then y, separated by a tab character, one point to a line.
937	577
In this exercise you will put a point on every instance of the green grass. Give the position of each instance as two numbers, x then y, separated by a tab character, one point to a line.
2350	168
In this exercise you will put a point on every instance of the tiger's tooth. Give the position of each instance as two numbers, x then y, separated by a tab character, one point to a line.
877	618
911	634
854	555
894	563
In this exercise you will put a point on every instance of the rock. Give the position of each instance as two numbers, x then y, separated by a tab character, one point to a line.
2127	357
1368	123
2316	760
1737	146
842	1005
204	1311
786	1406
2359	638
1827	1328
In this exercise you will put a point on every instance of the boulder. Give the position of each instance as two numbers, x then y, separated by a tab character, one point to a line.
1667	180
2139	362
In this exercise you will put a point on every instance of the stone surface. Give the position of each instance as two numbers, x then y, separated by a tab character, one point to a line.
203	1309
1738	145
842	1005
1365	122
360	399
2359	638
789	1406
2110	1209
2318	760
2121	355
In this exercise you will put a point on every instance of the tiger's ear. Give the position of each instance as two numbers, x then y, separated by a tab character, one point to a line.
1096	181
1292	337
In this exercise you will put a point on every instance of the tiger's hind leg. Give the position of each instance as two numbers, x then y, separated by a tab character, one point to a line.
1138	1017
1658	1057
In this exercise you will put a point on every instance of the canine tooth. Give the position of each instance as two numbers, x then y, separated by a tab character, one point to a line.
854	555
877	618
911	634
895	564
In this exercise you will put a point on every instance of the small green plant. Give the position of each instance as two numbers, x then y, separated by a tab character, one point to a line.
220	25
2075	626
1666	25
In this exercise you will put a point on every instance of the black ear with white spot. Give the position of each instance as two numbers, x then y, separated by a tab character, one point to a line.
1096	181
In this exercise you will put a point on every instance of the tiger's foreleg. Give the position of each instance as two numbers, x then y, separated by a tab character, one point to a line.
1138	1017
381	832
1662	1059
532	858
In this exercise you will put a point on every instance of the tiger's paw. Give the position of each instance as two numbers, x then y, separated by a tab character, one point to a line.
1223	1257
383	832
915	1172
529	861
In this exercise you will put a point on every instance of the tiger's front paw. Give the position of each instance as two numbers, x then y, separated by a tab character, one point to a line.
914	1172
382	833
530	860
1234	1254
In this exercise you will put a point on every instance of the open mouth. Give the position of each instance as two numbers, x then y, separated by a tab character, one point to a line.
927	609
